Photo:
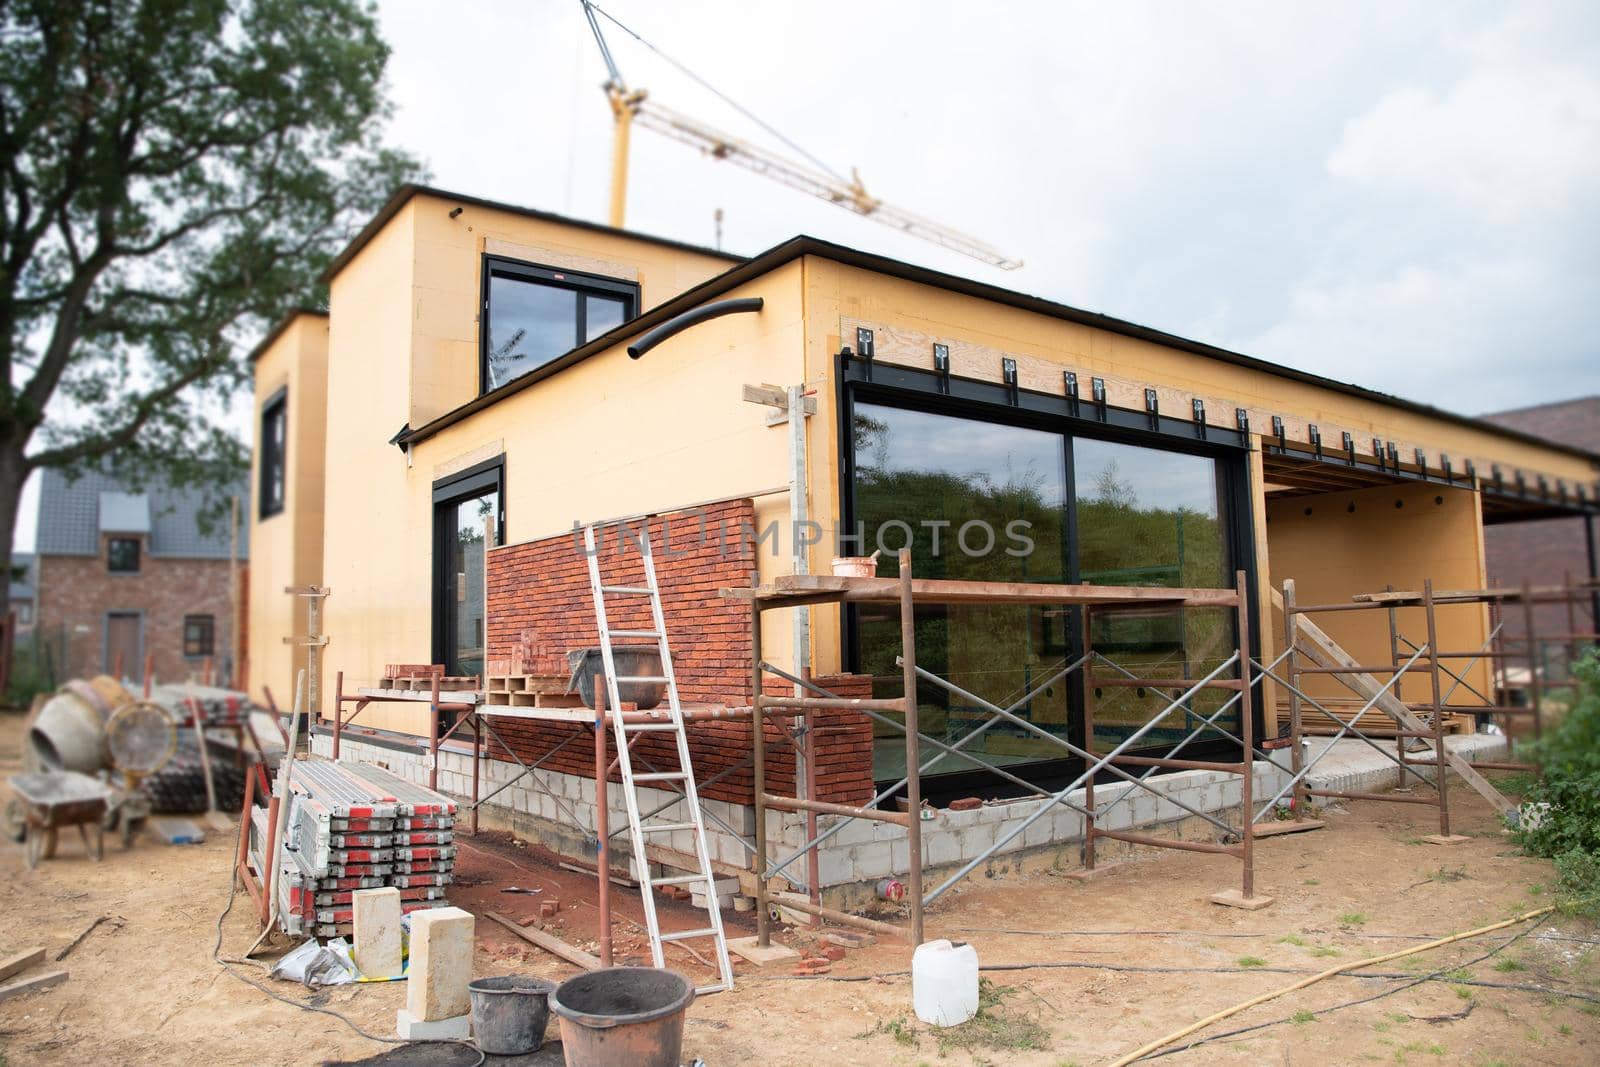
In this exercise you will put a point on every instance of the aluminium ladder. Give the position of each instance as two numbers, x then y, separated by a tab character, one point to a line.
683	778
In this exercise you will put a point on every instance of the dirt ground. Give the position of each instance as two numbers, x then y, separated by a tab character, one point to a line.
143	987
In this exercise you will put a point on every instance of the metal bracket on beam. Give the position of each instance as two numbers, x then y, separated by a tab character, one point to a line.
1544	486
1242	417
1472	471
1498	475
1152	408
1097	389
1071	380
1008	372
941	366
1522	484
1315	436
1422	462
1198	407
1349	449
1277	431
1444	465
1394	457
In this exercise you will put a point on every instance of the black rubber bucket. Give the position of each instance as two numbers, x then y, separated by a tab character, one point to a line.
638	661
509	1014
631	1015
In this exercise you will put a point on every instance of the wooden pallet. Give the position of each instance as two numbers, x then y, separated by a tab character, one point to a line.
1373	723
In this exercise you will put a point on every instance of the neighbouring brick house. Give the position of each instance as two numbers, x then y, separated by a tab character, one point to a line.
1548	551
123	572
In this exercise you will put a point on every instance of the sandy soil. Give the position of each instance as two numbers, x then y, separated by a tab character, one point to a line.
144	988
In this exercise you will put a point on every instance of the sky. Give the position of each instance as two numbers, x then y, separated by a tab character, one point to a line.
1400	195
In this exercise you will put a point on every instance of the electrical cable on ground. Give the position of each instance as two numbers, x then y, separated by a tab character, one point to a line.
1435	976
1222	934
227	965
1146	1049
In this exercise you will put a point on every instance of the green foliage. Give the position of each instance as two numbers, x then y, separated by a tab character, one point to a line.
994	1026
1251	961
1568	832
174	177
1352	918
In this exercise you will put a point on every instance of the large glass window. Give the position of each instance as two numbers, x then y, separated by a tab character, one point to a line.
1151	517
988	501
975	501
534	314
274	452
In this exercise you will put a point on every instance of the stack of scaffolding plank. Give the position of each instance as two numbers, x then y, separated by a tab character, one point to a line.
356	826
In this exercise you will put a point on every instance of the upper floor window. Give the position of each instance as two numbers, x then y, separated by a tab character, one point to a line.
534	314
274	453
199	635
122	555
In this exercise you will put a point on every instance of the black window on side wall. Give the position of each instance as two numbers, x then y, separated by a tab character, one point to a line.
533	314
122	555
199	635
274	453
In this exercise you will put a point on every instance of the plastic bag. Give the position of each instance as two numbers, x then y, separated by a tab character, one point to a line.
314	965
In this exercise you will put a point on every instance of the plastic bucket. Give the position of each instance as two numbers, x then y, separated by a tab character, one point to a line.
631	1015
855	566
509	1014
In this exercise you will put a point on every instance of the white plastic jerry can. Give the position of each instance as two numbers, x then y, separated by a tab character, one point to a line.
944	982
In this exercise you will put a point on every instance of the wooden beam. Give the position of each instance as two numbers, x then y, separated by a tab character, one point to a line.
20	962
1324	651
945	591
550	943
32	985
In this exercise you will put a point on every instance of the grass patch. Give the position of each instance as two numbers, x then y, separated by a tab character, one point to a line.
1300	1018
1251	961
1463	992
1352	918
1427	1047
903	1032
1311	881
1507	965
1324	950
1292	939
995	1027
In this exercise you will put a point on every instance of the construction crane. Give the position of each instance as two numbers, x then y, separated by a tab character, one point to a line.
633	105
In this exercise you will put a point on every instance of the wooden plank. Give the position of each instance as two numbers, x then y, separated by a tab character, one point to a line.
549	942
20	962
1325	651
945	591
36	984
1287	826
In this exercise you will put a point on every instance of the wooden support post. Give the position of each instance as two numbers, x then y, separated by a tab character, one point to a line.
338	711
602	823
1297	756
1530	639
433	731
477	755
908	644
758	741
1441	780
1089	760
1248	734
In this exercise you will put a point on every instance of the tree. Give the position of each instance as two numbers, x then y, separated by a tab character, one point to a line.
174	176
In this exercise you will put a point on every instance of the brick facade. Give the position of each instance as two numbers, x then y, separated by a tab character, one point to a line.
540	606
76	593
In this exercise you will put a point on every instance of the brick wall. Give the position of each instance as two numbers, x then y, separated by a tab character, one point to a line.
540	606
76	592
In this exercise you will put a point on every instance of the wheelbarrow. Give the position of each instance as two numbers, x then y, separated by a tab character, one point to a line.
45	803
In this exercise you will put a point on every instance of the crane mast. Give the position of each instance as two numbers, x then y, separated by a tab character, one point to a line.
630	106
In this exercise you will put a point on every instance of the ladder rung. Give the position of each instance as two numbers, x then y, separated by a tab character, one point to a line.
635	633
683	879
660	776
660	678
684	935
667	827
646	726
627	590
717	987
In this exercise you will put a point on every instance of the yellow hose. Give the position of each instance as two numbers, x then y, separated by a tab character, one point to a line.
1145	1050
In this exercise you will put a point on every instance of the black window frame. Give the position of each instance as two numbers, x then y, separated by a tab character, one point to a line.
448	492
138	555
273	456
210	639
577	281
866	381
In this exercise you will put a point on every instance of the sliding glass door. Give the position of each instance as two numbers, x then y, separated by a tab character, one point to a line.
467	520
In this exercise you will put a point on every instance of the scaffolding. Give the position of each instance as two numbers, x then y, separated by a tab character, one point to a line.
1233	673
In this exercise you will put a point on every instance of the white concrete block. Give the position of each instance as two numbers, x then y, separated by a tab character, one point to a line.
377	931
441	964
411	1028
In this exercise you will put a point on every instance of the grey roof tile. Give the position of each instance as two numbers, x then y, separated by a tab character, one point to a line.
69	518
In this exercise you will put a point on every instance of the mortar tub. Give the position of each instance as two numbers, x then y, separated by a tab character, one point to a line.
639	661
509	1014
615	1015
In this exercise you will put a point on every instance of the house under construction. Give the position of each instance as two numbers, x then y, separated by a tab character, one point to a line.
490	379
